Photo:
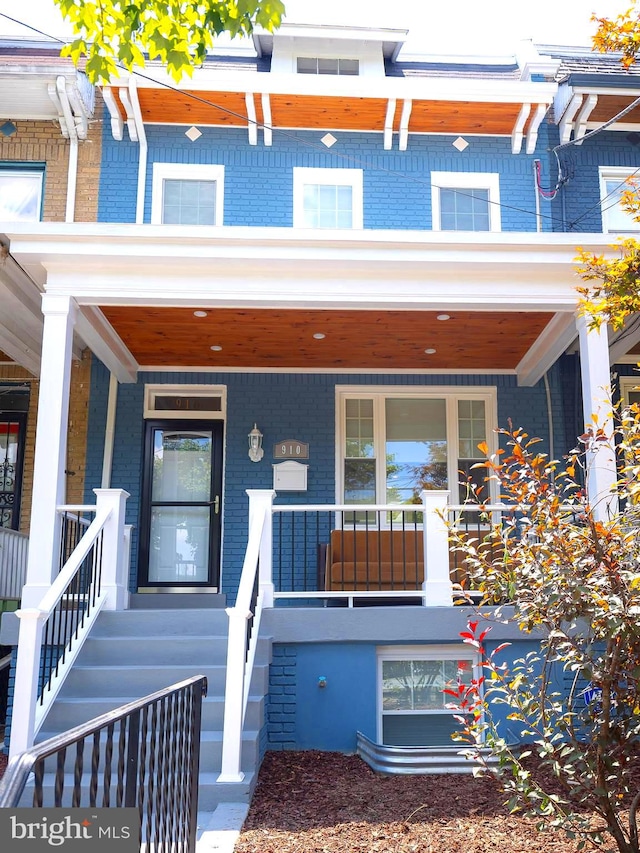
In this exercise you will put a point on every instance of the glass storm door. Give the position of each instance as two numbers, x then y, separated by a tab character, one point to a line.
12	428
181	513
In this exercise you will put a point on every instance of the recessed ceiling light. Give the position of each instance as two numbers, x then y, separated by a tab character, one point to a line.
443	317
216	348
319	336
199	313
430	351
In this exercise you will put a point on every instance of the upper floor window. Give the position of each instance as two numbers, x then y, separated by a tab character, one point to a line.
613	182
465	201
21	193
187	194
319	65
327	198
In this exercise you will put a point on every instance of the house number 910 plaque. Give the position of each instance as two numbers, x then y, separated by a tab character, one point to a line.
291	448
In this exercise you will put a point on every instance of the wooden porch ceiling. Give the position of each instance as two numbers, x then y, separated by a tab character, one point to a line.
327	113
284	338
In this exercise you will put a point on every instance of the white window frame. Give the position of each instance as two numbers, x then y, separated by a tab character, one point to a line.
628	383
379	393
25	170
185	172
303	175
153	391
318	58
620	174
458	651
466	181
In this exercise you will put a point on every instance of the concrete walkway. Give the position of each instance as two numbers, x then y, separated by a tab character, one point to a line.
218	831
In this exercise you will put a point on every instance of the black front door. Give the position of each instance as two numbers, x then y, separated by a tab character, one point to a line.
12	433
181	505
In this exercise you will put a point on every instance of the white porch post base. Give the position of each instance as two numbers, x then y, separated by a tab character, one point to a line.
437	588
262	500
597	409
25	693
115	567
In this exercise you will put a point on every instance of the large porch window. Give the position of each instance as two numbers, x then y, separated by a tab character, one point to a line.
395	442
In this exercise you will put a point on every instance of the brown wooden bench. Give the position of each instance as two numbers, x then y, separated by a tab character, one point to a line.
374	560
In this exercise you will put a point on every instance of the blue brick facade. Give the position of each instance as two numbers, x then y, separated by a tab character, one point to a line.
302	406
258	182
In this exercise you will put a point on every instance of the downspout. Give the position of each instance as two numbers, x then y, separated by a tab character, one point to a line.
129	98
537	192
72	173
109	432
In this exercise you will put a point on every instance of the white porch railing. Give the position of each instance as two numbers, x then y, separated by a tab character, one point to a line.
51	635
13	562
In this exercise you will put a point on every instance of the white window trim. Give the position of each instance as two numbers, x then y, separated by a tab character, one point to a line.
332	177
628	383
152	391
620	174
435	652
28	172
185	172
450	393
466	181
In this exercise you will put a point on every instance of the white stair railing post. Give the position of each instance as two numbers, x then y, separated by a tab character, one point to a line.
115	567
25	693
234	697
437	588
261	500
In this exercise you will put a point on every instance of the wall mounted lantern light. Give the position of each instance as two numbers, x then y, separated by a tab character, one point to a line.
255	444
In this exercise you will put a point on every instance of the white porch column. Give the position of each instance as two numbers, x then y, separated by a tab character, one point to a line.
51	445
115	566
261	500
437	588
596	404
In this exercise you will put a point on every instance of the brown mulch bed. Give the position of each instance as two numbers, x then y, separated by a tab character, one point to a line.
318	802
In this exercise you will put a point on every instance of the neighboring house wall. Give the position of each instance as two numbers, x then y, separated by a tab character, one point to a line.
258	182
287	405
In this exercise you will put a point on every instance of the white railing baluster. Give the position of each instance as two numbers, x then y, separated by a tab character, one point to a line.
13	562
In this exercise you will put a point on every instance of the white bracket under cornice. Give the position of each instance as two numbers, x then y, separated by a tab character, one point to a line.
534	127
407	106
267	127
517	134
73	111
252	118
123	93
388	124
586	109
117	124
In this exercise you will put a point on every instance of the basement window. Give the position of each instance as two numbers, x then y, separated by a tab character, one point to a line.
21	192
320	65
187	194
411	700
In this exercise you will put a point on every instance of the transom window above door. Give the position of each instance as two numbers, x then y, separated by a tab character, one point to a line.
465	201
395	443
327	198
187	194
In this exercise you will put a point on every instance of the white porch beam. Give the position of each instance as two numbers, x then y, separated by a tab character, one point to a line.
102	340
551	343
51	445
596	404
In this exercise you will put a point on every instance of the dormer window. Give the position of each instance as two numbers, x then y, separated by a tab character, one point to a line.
319	65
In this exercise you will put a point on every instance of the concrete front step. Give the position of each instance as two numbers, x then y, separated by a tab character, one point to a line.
76	710
210	792
167	623
205	649
137	681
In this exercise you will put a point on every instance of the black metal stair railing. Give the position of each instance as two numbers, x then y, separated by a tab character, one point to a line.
143	755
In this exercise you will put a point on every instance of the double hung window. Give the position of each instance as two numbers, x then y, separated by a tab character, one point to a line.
327	198
186	194
465	201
